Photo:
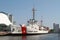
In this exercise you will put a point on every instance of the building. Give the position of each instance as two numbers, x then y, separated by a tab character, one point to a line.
56	27
5	22
4	19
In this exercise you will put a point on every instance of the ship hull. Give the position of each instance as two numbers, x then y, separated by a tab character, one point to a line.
30	33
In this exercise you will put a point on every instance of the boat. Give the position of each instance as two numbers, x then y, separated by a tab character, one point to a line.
32	27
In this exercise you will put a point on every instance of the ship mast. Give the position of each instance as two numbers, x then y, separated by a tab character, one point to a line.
33	10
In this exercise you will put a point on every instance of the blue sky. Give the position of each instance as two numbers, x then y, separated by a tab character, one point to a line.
22	10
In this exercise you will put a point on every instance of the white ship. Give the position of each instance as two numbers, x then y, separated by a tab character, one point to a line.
32	27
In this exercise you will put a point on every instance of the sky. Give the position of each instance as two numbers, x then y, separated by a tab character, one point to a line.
22	10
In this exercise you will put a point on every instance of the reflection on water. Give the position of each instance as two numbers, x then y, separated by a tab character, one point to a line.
32	37
58	36
24	38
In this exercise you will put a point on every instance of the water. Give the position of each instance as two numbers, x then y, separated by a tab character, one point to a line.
32	37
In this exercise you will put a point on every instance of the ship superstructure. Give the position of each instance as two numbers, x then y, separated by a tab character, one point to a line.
33	26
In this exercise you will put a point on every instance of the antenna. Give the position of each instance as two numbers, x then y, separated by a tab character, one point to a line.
33	10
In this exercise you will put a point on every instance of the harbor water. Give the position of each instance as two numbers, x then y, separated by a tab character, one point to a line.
53	36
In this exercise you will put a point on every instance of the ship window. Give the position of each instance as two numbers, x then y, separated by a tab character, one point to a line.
13	29
39	29
19	30
35	31
30	31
